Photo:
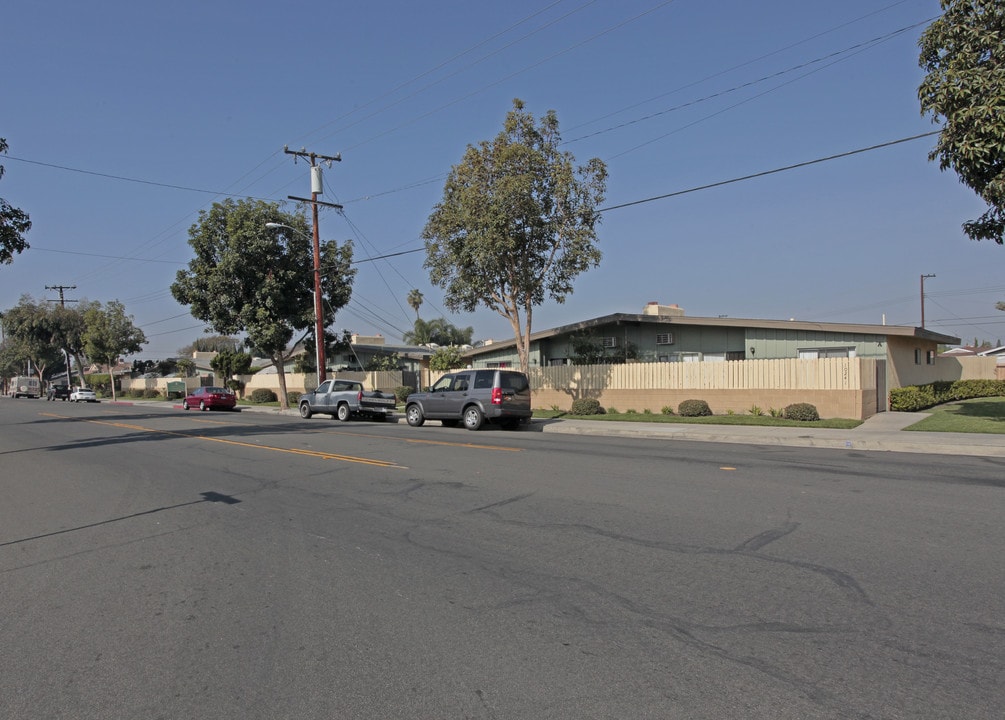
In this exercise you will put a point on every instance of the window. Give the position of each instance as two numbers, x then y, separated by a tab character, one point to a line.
825	352
917	356
609	342
664	338
930	357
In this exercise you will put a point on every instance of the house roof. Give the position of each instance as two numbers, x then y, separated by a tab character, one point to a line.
729	322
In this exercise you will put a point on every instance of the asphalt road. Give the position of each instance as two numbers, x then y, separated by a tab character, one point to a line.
164	564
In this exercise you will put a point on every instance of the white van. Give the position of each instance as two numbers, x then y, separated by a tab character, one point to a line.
25	386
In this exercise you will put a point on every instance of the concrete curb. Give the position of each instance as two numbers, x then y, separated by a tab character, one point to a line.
884	432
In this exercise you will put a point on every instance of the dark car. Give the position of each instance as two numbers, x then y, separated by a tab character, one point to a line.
474	397
58	391
210	398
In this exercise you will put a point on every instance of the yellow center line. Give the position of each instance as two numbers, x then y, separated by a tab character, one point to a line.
238	443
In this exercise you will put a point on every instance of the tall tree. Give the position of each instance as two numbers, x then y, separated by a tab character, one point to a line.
963	53
14	223
517	224
29	325
228	363
437	331
248	278
68	326
415	301
110	334
211	343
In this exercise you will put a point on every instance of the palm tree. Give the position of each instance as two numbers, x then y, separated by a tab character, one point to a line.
420	334
415	300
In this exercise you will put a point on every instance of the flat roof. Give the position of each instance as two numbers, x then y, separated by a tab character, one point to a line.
638	319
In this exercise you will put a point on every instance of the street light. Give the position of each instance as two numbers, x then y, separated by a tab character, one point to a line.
319	330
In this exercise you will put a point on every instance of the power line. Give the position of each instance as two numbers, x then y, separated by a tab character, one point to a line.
768	172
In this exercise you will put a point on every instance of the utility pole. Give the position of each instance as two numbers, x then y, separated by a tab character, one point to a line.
923	299
62	303
317	188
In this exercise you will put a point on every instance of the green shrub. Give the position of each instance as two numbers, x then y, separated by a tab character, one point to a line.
667	410
922	397
613	411
631	411
263	395
801	411
134	393
694	408
293	397
756	411
402	392
151	393
586	406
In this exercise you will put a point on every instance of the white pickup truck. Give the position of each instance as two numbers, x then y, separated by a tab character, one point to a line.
345	399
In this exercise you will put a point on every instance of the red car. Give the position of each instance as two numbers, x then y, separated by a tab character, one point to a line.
210	398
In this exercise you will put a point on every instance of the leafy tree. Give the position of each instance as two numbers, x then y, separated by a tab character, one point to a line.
446	358
437	332
109	334
415	301
166	367
517	223
228	363
391	361
186	366
68	326
14	223
963	53
144	366
211	343
11	358
248	278
29	325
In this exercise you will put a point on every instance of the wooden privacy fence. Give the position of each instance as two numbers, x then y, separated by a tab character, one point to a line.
793	374
838	387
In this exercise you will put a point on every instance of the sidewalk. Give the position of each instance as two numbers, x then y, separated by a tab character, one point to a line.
882	432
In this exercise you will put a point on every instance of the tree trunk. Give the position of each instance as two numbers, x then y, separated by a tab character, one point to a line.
278	361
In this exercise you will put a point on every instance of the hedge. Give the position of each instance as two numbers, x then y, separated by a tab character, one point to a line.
921	397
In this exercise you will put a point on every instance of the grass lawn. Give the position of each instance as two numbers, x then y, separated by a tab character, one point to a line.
758	420
980	415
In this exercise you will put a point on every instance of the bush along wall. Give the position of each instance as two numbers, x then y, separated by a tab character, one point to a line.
921	397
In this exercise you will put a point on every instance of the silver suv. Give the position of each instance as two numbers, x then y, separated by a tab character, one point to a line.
474	397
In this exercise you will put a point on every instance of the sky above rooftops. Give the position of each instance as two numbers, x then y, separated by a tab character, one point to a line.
124	120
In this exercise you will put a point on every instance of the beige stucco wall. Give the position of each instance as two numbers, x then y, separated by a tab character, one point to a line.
838	387
855	404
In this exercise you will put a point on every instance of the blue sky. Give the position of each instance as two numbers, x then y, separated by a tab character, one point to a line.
125	119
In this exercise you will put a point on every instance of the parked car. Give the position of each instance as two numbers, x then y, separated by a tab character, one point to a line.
83	394
345	399
474	397
58	391
210	398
